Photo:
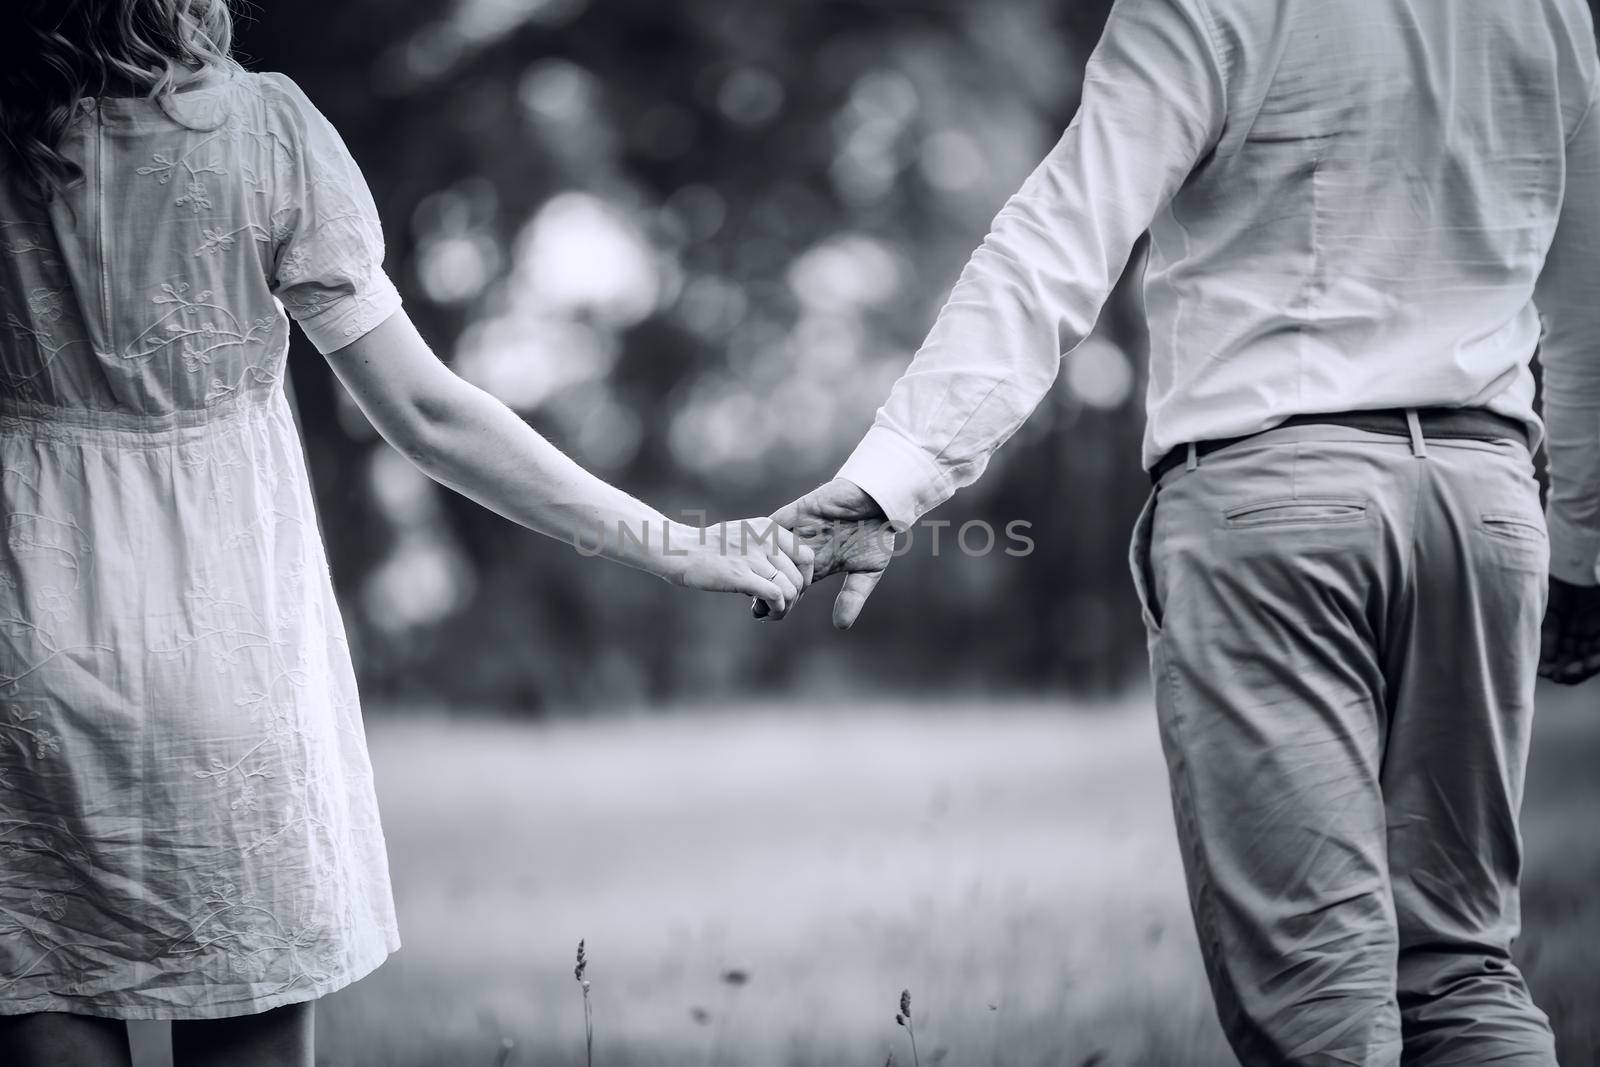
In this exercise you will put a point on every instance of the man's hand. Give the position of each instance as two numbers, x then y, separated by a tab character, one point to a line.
848	532
1571	647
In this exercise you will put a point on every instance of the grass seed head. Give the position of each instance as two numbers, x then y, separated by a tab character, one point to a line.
905	1003
583	965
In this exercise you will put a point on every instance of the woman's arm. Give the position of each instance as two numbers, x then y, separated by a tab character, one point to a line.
464	438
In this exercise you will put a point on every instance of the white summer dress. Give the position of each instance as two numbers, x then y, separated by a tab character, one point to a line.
188	827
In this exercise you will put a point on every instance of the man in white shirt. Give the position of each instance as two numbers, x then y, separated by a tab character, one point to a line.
1360	210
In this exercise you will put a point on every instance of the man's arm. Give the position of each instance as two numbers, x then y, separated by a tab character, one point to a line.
1568	298
1153	105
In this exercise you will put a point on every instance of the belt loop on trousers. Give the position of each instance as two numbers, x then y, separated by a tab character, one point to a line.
1419	447
1194	457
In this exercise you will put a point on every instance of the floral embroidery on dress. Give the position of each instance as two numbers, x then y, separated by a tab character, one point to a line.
45	305
201	327
195	195
163	168
38	738
64	549
33	322
53	905
236	775
293	266
215	241
17	239
23	245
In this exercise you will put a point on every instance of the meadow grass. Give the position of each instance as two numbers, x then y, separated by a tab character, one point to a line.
1013	864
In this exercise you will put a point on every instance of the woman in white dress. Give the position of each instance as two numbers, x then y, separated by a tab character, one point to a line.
187	822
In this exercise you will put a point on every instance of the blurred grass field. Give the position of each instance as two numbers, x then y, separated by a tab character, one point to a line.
1014	866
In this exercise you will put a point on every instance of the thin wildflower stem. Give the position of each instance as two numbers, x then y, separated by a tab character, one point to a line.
903	1018
588	1009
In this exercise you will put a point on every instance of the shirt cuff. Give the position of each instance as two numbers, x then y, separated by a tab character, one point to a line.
898	475
352	317
1574	552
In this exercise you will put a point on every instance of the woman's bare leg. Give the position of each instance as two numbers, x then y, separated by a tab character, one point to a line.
56	1039
277	1038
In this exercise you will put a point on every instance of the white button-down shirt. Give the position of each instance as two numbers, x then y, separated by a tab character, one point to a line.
1353	205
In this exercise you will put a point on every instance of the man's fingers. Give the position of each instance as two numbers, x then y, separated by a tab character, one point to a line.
1569	652
1577	668
788	515
1575	673
853	597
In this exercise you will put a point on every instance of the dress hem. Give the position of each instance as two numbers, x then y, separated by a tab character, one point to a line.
139	1012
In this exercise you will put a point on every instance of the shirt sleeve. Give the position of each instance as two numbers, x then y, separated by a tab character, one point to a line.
328	270
1153	105
1568	299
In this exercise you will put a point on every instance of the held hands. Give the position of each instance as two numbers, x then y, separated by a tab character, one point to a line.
836	528
848	532
756	557
1570	652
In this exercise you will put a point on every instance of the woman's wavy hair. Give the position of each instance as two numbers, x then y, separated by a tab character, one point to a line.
55	52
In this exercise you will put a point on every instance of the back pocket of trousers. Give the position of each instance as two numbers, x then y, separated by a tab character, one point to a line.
1296	511
1515	528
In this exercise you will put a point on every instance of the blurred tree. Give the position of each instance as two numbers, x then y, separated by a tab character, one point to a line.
694	243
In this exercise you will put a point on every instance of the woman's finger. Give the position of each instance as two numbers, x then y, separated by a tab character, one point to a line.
787	568
791	592
764	590
800	554
790	544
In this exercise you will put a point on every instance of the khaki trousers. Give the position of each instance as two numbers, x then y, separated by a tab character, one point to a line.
1344	629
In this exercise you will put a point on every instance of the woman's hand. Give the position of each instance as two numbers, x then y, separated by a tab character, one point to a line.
756	557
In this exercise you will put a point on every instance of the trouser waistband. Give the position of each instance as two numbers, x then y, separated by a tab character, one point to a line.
1473	424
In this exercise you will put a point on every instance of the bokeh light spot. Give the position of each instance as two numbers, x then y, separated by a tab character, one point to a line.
750	96
455	268
580	254
1099	374
558	91
849	271
951	161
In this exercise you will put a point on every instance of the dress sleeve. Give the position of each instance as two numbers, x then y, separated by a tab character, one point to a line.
328	268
